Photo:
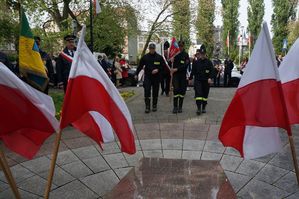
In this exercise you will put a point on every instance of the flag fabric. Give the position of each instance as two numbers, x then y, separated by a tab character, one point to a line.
251	121
92	103
289	74
227	42
27	116
97	7
30	62
174	49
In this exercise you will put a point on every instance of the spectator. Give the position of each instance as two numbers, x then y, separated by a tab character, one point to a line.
218	71
228	67
243	65
124	73
118	71
4	59
279	60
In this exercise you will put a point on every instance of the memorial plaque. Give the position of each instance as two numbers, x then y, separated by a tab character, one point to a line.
157	178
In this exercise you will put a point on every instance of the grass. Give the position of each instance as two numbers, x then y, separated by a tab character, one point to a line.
58	97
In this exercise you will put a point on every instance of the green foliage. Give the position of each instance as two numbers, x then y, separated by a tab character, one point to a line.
230	22
9	31
181	21
57	96
109	33
255	11
294	32
204	24
51	42
284	11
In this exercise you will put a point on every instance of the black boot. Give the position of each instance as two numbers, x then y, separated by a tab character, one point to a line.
181	100
175	105
204	104
155	102
198	103
147	105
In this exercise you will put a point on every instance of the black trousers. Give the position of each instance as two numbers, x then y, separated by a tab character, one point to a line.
165	83
227	77
202	89
179	85
151	85
217	81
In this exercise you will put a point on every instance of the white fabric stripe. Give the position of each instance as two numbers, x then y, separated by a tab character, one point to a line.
104	125
289	68
262	64
261	141
43	102
97	7
85	64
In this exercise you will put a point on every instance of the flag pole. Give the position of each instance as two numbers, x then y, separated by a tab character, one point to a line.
91	26
8	175
291	140
53	163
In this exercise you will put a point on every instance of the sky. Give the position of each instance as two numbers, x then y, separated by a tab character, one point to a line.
218	18
243	12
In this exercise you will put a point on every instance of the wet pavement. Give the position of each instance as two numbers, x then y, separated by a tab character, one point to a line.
83	170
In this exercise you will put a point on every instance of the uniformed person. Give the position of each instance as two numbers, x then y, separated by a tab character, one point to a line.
64	61
202	70
179	71
47	62
153	65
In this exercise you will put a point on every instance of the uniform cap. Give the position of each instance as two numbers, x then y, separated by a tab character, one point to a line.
69	38
152	46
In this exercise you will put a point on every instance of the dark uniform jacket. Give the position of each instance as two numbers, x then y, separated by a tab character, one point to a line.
6	62
63	67
151	62
181	62
228	66
202	69
48	63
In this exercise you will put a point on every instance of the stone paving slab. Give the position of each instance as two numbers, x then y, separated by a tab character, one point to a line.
83	169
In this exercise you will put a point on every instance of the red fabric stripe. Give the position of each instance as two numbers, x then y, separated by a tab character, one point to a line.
23	127
87	94
87	125
257	104
291	93
66	57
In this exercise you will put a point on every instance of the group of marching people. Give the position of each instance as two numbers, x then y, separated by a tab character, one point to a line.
154	66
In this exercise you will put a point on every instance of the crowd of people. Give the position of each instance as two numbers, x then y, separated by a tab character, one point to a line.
58	67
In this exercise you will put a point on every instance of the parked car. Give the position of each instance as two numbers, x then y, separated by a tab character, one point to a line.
131	81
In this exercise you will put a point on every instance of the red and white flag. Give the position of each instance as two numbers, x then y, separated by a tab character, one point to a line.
27	116
97	7
174	49
251	122
289	74
92	103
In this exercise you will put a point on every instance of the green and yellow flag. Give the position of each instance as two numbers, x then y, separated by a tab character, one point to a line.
30	62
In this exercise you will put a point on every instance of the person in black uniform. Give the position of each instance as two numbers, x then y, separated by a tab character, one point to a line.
47	62
228	67
165	75
202	70
4	59
153	64
64	61
179	71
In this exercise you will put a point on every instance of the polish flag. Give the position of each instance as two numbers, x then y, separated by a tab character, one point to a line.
97	7
93	105
27	116
251	122
174	49
289	74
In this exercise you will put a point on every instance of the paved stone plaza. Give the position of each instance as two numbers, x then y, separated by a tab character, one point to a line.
84	171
